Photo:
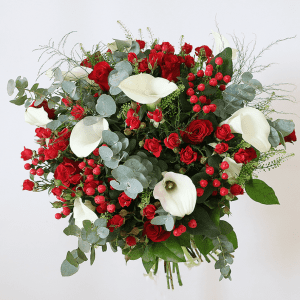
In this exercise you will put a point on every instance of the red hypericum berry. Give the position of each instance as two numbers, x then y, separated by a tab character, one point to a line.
224	165
96	171
203	183
216	183
209	170
223	191
111	208
57	216
82	165
219	76
196	108
40	172
201	87
66	211
182	228
101	188
208	101
192	223
200	192
131	241
35	161
227	78
41	158
212	107
194	99
90	191
99	199
73	194
206	109
33	171
41	151
213	82
202	99
176	232
191	77
219	61
208	73
222	87
191	84
224	176
214	193
96	152
27	166
209	67
190	92
89	178
200	73
91	162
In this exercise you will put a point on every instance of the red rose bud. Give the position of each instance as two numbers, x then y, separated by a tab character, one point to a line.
224	133
187	48
77	112
221	148
172	141
149	211
187	155
28	185
100	75
127	131
142	44
96	152
132	58
245	155
153	146
192	223
236	189
203	51
291	137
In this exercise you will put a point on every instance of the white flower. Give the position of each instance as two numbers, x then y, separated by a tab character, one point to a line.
176	193
85	139
221	43
113	46
37	116
253	126
83	212
146	89
234	168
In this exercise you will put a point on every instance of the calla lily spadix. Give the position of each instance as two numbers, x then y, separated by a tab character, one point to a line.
83	212
146	89
221	43
176	193
84	139
253	126
37	116
234	168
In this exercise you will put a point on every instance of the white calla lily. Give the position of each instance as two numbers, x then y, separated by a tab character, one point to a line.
176	193
253	126
83	212
234	168
221	43
37	116
146	89
84	139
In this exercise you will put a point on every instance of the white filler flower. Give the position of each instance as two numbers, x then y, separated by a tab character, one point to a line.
37	116
83	212
146	89
253	126
176	193
84	139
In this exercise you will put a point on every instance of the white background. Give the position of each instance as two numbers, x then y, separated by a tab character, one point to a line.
32	244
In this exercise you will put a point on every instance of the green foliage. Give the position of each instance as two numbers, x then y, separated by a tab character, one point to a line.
68	269
169	103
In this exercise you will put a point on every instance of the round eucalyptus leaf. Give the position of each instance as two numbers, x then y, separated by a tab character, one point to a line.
11	87
103	232
67	269
247	76
124	65
135	47
116	148
105	153
114	90
109	137
116	78
106	106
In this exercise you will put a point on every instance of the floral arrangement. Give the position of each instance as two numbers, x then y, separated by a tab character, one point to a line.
145	150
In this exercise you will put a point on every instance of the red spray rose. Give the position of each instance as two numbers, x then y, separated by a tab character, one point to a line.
155	232
28	185
50	153
172	141
115	222
86	63
224	133
197	131
205	52
77	112
291	137
132	58
221	148
189	61
187	48
187	155
143	66
153	145
130	241
167	47
133	122
170	66
142	44
100	75
245	155
149	211
26	154
236	189
124	200
43	132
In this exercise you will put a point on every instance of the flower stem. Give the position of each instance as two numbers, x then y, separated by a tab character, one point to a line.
178	273
170	273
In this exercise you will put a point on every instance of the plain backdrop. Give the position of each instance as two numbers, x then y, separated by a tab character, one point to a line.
32	244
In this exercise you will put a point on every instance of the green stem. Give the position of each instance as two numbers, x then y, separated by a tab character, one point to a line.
178	273
212	257
170	274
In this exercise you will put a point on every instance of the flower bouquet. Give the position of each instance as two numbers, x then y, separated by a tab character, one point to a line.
145	150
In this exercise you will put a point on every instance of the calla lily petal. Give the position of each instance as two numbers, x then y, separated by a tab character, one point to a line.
221	43
234	168
85	139
37	116
253	126
83	212
146	89
180	200
77	73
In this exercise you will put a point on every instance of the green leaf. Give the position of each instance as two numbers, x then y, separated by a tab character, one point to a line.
72	230
204	245
92	237
69	87
34	87
260	192
148	265
232	239
70	258
53	125
21	83
101	222
84	245
225	227
106	106
136	252
93	254
103	232
87	224
67	269
184	240
11	87
81	255
148	254
19	100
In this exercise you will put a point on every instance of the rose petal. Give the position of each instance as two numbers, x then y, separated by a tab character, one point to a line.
83	212
37	116
85	139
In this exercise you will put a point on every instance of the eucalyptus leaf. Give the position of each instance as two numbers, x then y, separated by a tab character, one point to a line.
135	47
116	78
273	138
170	222
105	153
69	87
53	125
84	245
101	222
91	120
114	90
124	66
67	269
159	220
106	106
11	87
103	232
109	137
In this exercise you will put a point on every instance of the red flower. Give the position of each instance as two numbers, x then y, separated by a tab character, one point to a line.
221	148
187	48
245	155
291	137
130	241
28	185
172	141
224	133
187	155
132	58
133	122
44	104
67	102
205	52
142	44
77	112
197	131
236	189
56	191
189	61
26	154
143	66
50	153
155	115
86	63
100	75
124	200
153	145
170	66
115	222
167	47
155	232
149	211
43	133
